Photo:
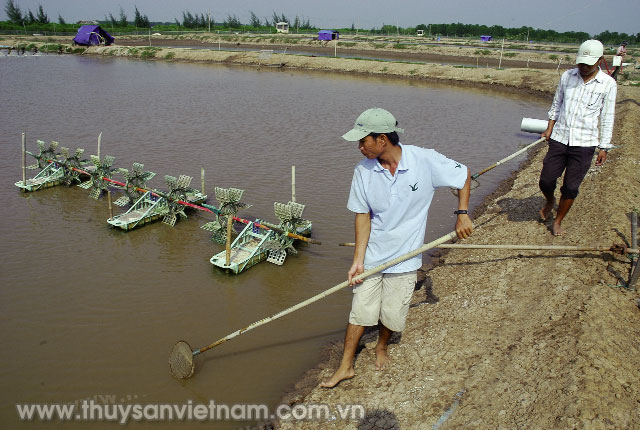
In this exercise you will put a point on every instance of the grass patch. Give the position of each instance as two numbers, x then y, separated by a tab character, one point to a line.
347	44
482	52
553	57
170	56
384	69
51	47
379	45
400	46
413	71
510	54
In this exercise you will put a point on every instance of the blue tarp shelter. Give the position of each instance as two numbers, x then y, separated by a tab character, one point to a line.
92	35
328	35
486	38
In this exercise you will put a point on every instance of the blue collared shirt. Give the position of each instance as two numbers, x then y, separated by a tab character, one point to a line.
399	204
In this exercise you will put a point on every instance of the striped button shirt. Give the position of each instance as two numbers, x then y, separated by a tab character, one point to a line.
584	111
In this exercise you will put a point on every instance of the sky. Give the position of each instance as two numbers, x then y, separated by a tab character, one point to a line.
591	16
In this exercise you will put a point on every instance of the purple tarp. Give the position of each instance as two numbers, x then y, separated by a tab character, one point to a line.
328	35
486	38
92	35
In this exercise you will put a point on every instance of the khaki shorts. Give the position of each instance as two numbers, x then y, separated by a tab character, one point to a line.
384	297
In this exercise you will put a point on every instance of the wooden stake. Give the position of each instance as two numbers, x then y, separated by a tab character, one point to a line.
110	204
293	183
634	229
501	51
202	178
99	140
24	159
635	269
228	248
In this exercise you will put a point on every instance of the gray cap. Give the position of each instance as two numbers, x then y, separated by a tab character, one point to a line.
374	120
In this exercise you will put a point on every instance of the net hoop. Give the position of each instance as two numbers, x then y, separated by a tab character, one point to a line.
181	360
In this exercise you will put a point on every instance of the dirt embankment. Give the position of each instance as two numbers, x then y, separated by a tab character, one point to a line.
498	339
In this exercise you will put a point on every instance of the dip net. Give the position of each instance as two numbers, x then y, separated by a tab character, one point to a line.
181	360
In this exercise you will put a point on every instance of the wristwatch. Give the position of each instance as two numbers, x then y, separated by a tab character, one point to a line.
460	211
604	149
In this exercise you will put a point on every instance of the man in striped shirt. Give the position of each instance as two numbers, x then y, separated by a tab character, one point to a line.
580	119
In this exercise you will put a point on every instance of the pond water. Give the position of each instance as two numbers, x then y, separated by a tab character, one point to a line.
90	311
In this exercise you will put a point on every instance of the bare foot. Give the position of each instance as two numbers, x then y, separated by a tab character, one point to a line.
546	210
382	358
338	377
556	230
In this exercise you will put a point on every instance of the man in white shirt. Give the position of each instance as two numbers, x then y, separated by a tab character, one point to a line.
618	59
580	119
391	191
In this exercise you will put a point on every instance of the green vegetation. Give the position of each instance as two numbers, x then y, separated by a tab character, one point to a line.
553	57
170	56
400	46
148	52
510	54
347	44
482	52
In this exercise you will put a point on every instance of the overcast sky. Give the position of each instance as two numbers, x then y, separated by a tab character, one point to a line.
591	16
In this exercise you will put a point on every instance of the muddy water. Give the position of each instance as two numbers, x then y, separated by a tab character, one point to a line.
89	311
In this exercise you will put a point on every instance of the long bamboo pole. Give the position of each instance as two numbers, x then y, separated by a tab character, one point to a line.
367	273
632	250
504	160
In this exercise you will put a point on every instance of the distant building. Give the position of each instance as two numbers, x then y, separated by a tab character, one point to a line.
87	23
282	27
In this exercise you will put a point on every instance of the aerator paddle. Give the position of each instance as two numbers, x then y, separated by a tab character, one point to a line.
181	356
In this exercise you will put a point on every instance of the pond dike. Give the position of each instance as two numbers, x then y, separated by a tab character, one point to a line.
495	338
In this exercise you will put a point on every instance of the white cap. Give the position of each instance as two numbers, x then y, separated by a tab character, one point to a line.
590	52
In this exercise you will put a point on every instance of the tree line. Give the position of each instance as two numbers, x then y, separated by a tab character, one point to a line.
524	33
202	21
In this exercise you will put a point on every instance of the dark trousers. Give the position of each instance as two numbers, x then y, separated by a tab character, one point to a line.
616	70
574	161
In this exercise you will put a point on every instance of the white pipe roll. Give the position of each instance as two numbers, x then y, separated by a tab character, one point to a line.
532	125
